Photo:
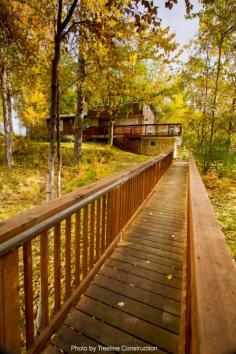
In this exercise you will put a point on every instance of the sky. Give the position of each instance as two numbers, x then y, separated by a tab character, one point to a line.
175	19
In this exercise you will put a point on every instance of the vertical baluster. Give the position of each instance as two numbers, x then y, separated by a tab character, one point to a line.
85	241
125	202
77	246
117	212
103	240
9	302
44	279
57	267
68	258
28	292
98	229
92	216
110	220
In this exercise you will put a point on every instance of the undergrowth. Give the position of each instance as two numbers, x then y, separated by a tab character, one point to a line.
222	193
25	185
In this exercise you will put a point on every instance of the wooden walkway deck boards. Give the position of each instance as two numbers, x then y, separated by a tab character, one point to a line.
135	299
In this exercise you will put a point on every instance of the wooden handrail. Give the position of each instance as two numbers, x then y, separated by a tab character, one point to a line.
211	305
53	251
136	130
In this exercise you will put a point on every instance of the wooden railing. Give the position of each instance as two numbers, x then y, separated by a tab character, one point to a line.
136	130
149	129
49	254
211	278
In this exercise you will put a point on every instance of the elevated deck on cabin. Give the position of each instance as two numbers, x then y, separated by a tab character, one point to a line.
135	299
134	131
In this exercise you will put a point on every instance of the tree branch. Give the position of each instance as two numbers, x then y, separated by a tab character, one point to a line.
69	16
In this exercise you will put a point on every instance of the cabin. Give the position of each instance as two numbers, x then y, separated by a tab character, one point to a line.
135	131
102	118
136	115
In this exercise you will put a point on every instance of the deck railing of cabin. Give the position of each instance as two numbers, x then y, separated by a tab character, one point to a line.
49	254
211	278
137	130
148	129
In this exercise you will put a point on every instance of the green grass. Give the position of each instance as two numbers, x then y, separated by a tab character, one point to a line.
25	185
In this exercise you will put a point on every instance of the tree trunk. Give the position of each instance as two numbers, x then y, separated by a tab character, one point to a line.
111	132
231	126
6	121
60	27
205	102
212	129
79	117
9	108
58	139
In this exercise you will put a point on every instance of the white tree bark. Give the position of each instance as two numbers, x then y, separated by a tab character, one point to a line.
7	123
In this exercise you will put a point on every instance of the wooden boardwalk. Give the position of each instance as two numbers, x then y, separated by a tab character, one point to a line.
135	299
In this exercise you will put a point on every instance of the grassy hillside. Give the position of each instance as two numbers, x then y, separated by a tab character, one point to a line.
25	185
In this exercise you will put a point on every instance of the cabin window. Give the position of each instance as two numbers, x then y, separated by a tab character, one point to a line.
153	143
150	129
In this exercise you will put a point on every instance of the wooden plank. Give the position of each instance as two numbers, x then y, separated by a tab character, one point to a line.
168	213
146	264
155	244
44	318
159	239
155	216
144	273
77	246
169	237
28	293
85	241
68	258
179	236
139	252
141	283
102	332
9	303
213	276
133	307
155	213
142	295
57	267
142	330
68	339
158	226
168	256
51	350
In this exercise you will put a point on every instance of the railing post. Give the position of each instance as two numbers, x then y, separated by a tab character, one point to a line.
9	303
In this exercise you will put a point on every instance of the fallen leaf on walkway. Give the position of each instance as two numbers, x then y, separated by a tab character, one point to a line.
169	276
121	304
